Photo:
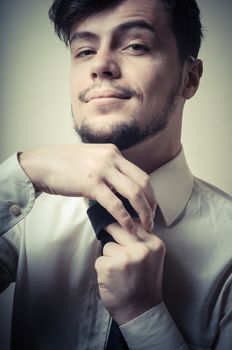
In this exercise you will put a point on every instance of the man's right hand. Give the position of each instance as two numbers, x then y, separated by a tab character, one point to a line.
94	171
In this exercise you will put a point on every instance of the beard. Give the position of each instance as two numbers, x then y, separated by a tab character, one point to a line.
127	134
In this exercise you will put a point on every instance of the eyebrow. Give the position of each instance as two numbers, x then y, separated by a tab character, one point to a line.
120	29
138	24
83	36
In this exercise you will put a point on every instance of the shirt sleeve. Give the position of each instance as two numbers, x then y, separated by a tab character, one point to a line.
9	253
224	338
155	329
17	194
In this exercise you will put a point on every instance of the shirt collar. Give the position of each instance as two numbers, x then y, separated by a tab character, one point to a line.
172	184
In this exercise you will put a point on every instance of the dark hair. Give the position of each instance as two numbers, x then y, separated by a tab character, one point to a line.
184	19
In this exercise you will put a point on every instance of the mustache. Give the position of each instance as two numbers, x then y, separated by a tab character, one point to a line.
83	96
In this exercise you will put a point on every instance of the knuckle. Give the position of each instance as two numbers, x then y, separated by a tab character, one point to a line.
144	251
128	263
162	247
146	215
113	147
141	252
159	247
97	264
125	262
97	170
126	220
106	248
112	151
116	206
144	181
110	270
136	194
107	270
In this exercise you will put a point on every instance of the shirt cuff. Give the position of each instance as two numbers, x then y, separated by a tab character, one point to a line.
17	194
155	329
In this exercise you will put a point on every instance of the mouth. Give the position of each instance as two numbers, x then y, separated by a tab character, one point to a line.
107	96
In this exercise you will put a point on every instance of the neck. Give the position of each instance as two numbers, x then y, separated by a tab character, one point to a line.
154	152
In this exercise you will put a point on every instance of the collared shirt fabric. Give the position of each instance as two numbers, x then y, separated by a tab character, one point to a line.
57	303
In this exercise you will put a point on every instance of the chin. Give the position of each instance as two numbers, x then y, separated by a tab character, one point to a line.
120	133
107	121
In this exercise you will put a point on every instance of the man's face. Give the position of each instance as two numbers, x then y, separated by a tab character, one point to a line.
125	73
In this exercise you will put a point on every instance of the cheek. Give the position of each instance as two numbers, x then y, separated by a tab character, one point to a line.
154	87
73	87
151	78
78	83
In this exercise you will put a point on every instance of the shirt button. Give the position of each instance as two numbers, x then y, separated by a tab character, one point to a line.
15	210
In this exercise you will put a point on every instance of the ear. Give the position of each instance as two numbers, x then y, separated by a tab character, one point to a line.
193	75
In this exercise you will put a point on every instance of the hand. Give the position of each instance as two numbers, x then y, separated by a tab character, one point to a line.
130	273
95	172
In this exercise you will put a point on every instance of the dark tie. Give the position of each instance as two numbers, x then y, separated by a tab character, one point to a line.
100	218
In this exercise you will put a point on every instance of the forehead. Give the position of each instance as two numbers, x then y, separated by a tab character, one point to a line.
105	21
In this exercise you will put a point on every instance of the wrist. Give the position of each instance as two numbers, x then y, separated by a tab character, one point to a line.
26	164
128	314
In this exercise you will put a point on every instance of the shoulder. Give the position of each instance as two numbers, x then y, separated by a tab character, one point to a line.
211	195
210	209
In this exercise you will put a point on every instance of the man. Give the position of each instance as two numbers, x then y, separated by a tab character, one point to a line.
166	280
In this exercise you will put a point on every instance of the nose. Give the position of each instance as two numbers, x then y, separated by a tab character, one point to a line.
105	66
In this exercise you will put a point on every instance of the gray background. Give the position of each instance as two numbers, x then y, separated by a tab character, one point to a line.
35	105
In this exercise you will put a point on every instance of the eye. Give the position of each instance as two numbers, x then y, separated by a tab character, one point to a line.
138	48
84	53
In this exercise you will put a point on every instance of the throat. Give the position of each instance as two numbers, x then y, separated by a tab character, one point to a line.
153	153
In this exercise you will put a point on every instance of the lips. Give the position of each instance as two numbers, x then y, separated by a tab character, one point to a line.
107	94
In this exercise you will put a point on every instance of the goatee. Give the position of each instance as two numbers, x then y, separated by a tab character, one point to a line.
128	134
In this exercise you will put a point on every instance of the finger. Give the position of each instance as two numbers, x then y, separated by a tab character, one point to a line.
141	178
143	234
113	249
130	190
121	236
101	264
150	239
104	196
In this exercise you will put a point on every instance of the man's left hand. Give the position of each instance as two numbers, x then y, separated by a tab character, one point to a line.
130	273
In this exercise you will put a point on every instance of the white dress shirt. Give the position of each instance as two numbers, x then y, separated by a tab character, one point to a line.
56	303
